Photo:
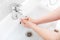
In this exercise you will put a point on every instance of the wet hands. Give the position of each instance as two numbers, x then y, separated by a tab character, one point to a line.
28	22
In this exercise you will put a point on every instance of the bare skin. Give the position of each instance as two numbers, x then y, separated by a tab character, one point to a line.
45	33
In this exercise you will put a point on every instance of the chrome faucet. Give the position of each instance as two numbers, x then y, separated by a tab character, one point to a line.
15	9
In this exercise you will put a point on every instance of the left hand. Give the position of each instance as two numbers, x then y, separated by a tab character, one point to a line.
27	23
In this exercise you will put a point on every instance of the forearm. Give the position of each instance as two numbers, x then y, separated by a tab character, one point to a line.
53	16
46	34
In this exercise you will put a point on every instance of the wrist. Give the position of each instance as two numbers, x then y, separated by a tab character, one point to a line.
33	26
36	21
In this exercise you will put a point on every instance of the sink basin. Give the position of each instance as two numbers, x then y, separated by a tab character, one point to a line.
11	29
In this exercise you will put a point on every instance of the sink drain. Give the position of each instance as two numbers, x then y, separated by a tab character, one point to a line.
29	34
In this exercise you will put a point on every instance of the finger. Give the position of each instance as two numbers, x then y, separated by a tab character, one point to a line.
24	24
26	18
23	21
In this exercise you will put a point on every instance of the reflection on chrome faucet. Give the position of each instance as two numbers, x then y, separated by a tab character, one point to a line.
15	10
15	7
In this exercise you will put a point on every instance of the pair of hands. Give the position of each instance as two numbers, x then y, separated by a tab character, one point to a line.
28	22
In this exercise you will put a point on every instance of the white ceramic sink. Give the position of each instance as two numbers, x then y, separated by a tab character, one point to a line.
11	29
